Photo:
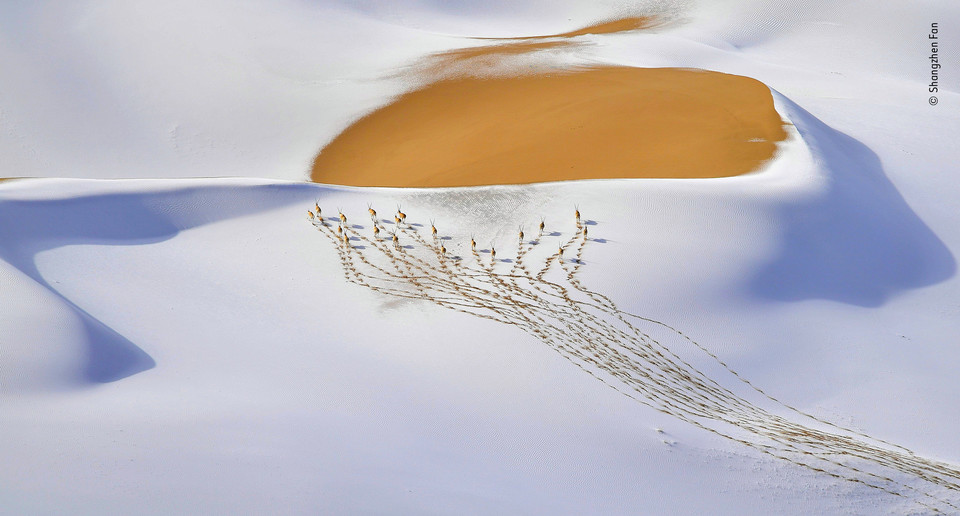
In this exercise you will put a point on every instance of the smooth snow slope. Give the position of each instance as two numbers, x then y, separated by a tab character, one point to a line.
191	346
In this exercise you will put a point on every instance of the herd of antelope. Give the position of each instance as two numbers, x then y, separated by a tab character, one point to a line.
649	361
400	222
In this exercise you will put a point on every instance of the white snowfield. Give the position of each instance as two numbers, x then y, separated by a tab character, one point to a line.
175	345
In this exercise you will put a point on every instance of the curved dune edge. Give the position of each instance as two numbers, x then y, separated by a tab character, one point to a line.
592	123
481	59
500	50
607	27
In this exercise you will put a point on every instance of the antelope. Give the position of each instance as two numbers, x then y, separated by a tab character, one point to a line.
317	204
346	240
560	252
396	241
401	215
521	234
473	244
433	228
396	219
339	230
376	232
493	253
310	214
542	225
373	212
584	231
443	250
577	211
343	218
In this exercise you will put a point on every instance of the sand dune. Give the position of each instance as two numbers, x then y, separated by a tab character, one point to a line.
489	119
602	122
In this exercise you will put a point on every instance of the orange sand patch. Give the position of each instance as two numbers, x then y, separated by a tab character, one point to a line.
604	122
503	50
487	58
608	27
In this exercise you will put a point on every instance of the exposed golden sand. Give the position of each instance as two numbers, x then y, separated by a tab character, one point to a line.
607	27
478	125
501	50
500	59
604	122
479	59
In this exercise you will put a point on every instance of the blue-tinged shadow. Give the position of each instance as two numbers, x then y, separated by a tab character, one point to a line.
857	242
29	227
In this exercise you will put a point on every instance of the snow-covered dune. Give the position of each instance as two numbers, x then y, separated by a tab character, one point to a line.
127	216
181	345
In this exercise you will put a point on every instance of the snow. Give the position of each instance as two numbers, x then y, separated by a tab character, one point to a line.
182	345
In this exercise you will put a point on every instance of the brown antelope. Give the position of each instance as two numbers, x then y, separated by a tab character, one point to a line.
433	229
560	252
396	241
493	253
542	225
396	219
443	250
343	218
376	232
373	212
584	231
317	204
473	244
401	215
339	230
346	239
577	211
521	234
310	214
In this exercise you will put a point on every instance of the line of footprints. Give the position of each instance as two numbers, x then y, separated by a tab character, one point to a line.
623	351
